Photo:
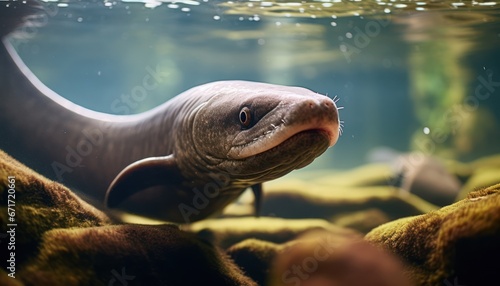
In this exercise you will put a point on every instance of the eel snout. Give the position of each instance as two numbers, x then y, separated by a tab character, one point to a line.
312	114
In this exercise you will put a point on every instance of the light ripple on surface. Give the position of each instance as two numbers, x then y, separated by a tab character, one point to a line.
327	8
313	8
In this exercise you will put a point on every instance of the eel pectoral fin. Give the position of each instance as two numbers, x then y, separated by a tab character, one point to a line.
141	175
257	193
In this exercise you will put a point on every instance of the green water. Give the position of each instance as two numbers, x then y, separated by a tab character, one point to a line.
421	76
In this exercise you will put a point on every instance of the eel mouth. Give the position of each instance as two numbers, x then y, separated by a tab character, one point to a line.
327	126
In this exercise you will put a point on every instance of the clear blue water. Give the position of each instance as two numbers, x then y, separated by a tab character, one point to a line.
421	76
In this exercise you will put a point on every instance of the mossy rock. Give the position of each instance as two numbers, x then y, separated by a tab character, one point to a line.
492	161
451	243
229	231
464	171
62	240
363	221
363	176
481	178
141	255
255	257
298	199
320	258
40	205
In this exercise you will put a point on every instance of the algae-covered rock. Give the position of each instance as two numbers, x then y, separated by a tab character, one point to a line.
465	171
317	258
61	240
362	198
141	255
229	231
362	221
38	205
363	176
253	243
360	208
481	178
450	243
255	257
322	259
492	161
298	199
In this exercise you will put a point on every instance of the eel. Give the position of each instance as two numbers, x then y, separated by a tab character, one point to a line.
182	161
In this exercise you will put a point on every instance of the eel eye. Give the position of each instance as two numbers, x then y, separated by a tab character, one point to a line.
245	117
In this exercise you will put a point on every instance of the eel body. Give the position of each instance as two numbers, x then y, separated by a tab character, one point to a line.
181	161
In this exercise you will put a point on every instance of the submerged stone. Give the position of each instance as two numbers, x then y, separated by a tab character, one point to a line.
62	240
229	231
450	243
324	259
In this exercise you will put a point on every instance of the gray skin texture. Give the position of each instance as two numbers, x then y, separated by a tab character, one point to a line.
181	161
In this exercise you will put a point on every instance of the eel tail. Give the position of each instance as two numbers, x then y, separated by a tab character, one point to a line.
16	13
